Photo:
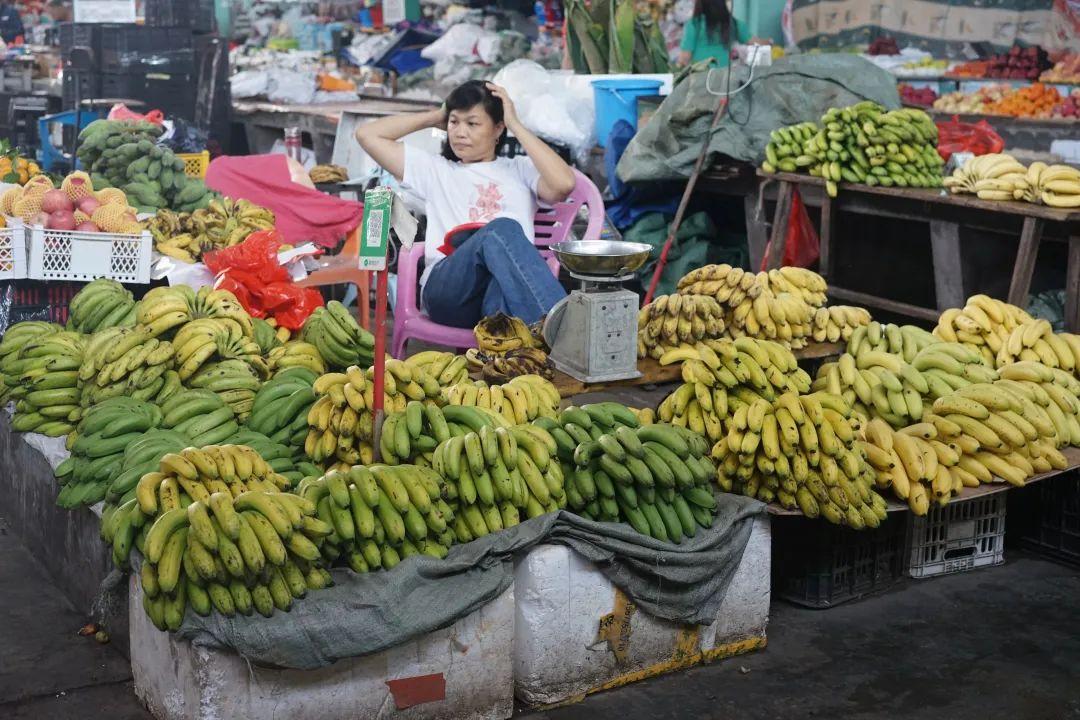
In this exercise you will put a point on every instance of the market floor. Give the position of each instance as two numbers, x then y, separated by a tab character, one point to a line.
997	643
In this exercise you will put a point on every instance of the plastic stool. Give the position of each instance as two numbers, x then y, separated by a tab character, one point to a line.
50	155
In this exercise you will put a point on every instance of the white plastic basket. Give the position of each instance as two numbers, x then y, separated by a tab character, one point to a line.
961	536
13	250
83	256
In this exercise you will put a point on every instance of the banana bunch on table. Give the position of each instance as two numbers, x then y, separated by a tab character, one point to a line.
121	361
163	310
670	321
511	364
328	174
500	333
41	376
101	304
223	223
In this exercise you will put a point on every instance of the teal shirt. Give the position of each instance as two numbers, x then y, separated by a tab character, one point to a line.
702	45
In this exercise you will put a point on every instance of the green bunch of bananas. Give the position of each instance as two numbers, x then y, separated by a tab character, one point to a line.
494	471
267	336
218	534
800	451
141	456
380	514
101	304
16	337
97	454
281	406
214	355
340	340
446	367
42	378
201	415
127	361
656	478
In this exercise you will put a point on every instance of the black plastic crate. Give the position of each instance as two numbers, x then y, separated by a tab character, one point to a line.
79	34
173	94
819	565
1054	518
89	87
135	48
197	15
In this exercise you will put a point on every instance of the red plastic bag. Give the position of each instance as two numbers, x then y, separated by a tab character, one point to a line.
120	111
802	247
976	138
251	271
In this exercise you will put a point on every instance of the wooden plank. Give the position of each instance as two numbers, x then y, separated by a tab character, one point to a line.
756	230
825	263
781	219
1026	254
1071	454
1072	286
948	264
902	308
653	373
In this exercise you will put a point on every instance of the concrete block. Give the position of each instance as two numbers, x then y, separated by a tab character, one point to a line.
575	633
66	542
464	672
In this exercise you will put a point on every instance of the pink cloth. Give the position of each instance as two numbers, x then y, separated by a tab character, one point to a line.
302	214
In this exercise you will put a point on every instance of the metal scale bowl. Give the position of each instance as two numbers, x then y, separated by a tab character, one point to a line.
592	332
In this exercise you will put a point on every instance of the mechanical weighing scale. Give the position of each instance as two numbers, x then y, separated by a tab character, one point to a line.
592	332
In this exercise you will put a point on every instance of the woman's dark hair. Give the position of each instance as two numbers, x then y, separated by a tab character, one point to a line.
718	19
469	95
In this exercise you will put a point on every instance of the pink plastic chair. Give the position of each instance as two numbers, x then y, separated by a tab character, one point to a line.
552	225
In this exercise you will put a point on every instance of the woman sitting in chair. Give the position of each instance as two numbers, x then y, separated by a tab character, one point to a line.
479	254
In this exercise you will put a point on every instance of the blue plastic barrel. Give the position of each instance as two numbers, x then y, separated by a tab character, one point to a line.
616	99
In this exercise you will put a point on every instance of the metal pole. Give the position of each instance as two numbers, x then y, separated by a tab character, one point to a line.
381	292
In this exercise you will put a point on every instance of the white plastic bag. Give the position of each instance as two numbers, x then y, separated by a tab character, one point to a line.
292	88
250	83
551	104
457	42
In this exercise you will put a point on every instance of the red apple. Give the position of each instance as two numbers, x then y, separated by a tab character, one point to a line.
61	220
55	201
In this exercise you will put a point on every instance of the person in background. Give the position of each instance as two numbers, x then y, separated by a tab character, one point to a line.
11	25
710	33
478	248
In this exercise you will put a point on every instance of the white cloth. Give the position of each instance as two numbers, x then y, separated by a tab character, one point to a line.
457	193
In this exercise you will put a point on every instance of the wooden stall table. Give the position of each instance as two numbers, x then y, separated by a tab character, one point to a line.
653	373
264	122
945	213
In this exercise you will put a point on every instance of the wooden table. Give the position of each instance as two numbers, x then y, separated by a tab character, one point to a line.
653	373
1071	454
945	213
264	122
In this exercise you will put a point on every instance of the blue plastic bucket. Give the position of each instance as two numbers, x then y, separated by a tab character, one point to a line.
616	100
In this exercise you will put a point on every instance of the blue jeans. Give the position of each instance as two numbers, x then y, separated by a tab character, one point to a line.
496	270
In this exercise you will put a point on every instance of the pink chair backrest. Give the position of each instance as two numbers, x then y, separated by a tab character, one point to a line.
552	225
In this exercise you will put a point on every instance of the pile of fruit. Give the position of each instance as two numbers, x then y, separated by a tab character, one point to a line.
125	155
1035	100
224	222
73	206
1069	107
14	168
999	176
860	144
921	97
776	305
923	67
972	102
1018	63
971	69
1065	70
884	45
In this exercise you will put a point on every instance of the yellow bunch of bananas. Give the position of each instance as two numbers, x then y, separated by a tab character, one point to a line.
673	320
127	361
1009	429
511	364
446	367
715	371
1053	185
521	400
296	353
341	421
1035	341
995	176
776	305
223	223
838	322
165	309
499	333
984	323
800	451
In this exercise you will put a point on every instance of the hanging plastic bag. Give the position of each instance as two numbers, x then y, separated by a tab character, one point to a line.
976	138
251	271
803	246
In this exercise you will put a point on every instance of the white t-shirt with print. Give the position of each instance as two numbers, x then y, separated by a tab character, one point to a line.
457	193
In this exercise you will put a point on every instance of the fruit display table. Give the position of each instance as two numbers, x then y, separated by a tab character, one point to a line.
945	214
264	122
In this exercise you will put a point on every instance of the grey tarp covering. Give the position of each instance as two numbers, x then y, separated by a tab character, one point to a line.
794	89
364	614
